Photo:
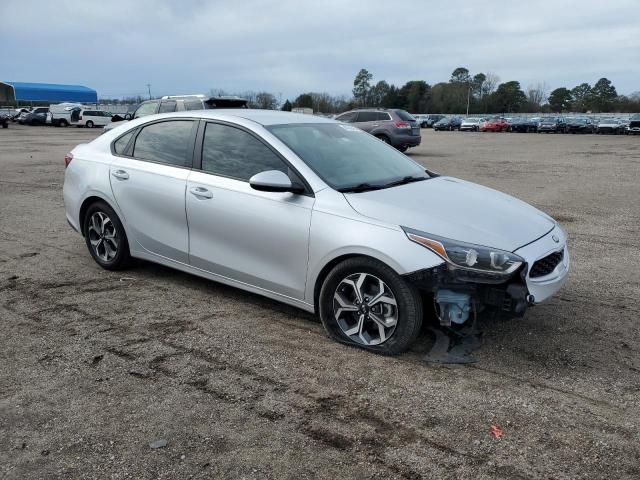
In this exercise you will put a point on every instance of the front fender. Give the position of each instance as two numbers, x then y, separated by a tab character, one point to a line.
334	236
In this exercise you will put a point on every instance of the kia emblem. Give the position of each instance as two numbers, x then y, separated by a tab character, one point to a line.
555	238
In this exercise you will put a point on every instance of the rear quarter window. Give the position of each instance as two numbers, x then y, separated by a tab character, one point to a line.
406	116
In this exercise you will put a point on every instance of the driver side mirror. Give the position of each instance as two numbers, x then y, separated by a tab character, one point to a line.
128	116
274	181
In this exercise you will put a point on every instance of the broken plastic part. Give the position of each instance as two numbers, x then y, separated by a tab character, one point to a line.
454	306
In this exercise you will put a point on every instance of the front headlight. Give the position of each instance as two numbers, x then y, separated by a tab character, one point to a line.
467	255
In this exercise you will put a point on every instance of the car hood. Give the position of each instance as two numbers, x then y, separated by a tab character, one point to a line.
458	210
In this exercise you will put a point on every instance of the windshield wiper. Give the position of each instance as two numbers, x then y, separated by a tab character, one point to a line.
405	180
361	187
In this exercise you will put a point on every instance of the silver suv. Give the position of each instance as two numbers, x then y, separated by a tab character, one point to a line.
393	126
179	103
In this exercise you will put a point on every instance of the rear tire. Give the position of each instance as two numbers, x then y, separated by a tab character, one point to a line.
403	149
386	321
384	138
89	124
105	237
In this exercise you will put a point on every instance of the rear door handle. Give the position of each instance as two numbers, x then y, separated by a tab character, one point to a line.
201	192
120	175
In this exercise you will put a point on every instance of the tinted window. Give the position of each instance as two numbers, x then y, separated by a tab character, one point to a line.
367	116
89	113
347	117
146	109
165	142
193	105
407	117
383	116
232	152
120	145
166	107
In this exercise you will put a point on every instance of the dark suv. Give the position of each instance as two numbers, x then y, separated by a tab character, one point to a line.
179	103
391	125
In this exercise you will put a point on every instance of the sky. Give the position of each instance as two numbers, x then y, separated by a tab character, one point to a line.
287	47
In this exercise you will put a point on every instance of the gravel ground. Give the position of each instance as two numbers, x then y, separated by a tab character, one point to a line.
95	365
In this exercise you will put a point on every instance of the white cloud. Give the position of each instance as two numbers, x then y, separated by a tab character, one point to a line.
292	46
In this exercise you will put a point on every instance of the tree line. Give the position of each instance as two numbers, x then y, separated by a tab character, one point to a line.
483	93
462	92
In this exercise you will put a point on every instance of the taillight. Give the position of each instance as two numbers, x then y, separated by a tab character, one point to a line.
403	125
67	159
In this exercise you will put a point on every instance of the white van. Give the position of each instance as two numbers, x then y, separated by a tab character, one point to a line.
61	114
92	118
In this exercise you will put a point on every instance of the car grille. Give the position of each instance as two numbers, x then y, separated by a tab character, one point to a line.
546	265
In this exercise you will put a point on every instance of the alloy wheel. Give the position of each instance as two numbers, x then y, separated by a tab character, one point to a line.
103	236
365	308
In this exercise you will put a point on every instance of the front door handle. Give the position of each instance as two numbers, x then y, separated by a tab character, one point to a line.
120	175
201	192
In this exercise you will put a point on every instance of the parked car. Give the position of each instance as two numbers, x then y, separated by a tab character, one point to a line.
523	125
421	119
179	103
91	118
494	125
391	125
447	123
579	125
313	213
551	125
432	119
37	116
19	111
634	125
471	124
610	125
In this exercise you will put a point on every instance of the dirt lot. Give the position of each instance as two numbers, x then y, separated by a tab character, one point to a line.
95	365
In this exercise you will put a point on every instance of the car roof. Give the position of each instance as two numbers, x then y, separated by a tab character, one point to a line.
262	117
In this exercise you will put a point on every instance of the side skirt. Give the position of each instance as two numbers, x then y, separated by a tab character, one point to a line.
222	279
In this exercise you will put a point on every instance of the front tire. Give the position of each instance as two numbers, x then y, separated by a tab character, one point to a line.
105	237
365	303
89	124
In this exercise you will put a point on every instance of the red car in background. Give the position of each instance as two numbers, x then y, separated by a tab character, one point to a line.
494	125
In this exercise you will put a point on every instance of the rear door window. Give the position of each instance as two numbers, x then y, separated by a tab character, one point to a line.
193	105
367	116
166	142
348	117
167	106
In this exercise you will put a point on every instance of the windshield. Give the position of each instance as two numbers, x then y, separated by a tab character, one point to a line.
346	157
472	120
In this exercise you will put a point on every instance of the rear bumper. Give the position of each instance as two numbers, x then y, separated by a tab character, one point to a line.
406	140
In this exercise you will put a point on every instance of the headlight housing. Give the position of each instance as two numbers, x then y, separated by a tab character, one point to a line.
467	255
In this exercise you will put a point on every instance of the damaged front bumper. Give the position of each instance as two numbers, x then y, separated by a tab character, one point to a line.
460	293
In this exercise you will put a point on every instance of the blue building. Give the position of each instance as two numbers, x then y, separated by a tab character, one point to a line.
13	93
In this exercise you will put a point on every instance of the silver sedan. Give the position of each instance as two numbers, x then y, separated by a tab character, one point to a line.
314	213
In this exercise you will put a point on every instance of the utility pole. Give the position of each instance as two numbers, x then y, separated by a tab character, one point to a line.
468	98
149	90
